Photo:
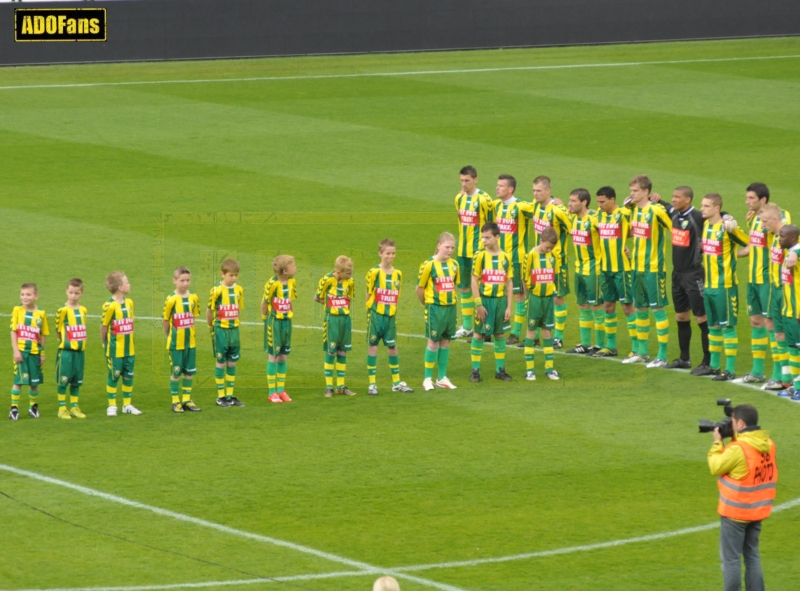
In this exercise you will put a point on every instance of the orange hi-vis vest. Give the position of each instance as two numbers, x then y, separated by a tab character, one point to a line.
751	498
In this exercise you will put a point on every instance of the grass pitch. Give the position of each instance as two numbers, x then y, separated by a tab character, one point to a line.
153	165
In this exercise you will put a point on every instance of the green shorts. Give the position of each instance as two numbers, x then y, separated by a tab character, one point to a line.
516	277
277	335
791	328
29	371
183	362
226	344
616	287
775	310
722	306
381	327
562	281
494	323
541	312
587	288
440	322
650	290
758	299
69	367
465	267
120	367
337	333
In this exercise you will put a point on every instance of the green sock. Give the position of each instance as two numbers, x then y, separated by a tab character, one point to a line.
631	323
662	330
476	350
530	358
643	331
794	360
548	354
61	391
281	375
560	311
272	377
341	369
467	309
519	317
499	353
443	359
372	369
33	397
15	395
175	390
731	348
715	346
777	373
759	349
394	368
430	362
786	367
74	391
186	390
611	330
585	325
330	362
599	328
219	379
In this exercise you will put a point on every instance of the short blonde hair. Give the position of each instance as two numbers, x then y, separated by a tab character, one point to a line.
230	265
180	271
771	209
114	281
445	236
386	584
343	263
281	263
716	199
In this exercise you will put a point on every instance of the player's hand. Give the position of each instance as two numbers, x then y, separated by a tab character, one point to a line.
717	436
627	252
557	201
41	359
627	201
655	197
17	356
480	314
791	259
729	224
507	314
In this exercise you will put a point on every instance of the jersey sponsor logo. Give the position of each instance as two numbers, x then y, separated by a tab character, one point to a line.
60	25
580	237
787	276
680	237
776	255
386	296
75	333
281	305
182	320
228	311
609	231
543	276
507	226
468	218
28	332
757	238
338	301
712	247
539	225
444	284
641	230
122	326
493	277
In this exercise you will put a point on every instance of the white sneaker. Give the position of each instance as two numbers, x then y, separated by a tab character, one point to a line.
635	359
427	385
552	375
530	376
130	409
656	363
111	411
444	382
462	333
401	386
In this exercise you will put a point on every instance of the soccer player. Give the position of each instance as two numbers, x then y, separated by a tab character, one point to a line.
474	209
71	332
436	291
540	273
512	216
492	288
758	284
336	291
588	255
276	310
614	228
547	213
790	284
116	331
28	331
650	226
721	290
383	292
180	310
225	304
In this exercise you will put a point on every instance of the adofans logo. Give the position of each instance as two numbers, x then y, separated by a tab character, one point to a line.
60	24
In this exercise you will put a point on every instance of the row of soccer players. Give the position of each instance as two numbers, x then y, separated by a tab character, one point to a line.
706	244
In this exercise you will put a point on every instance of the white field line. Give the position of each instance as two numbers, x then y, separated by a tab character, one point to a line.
401	73
422	337
365	568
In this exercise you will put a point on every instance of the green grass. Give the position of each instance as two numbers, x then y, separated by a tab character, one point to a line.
145	177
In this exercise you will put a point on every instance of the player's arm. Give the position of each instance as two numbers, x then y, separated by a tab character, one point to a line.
108	316
371	276
422	280
211	308
166	317
510	290
59	320
43	333
265	301
663	218
480	311
320	294
740	238
14	344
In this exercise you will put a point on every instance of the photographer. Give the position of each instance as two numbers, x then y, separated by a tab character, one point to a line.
747	474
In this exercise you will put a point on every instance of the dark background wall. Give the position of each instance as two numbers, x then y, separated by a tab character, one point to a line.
185	29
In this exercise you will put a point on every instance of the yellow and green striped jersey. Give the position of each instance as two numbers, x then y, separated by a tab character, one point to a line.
776	256
614	229
71	328
760	247
586	240
227	303
492	272
650	228
719	254
557	217
278	297
512	219
790	282
439	280
383	290
337	295
118	317
181	313
540	272
31	327
473	212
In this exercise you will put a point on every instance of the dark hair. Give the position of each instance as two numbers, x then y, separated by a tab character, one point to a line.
747	413
582	194
75	282
491	227
790	230
510	179
468	170
761	190
686	191
549	235
607	191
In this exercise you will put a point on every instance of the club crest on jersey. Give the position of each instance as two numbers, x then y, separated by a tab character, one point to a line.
39	323
617	217
648	216
718	234
684	224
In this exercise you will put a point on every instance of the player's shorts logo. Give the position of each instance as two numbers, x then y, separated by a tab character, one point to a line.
60	24
219	357
373	338
433	333
25	377
531	323
332	346
117	374
64	379
177	370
